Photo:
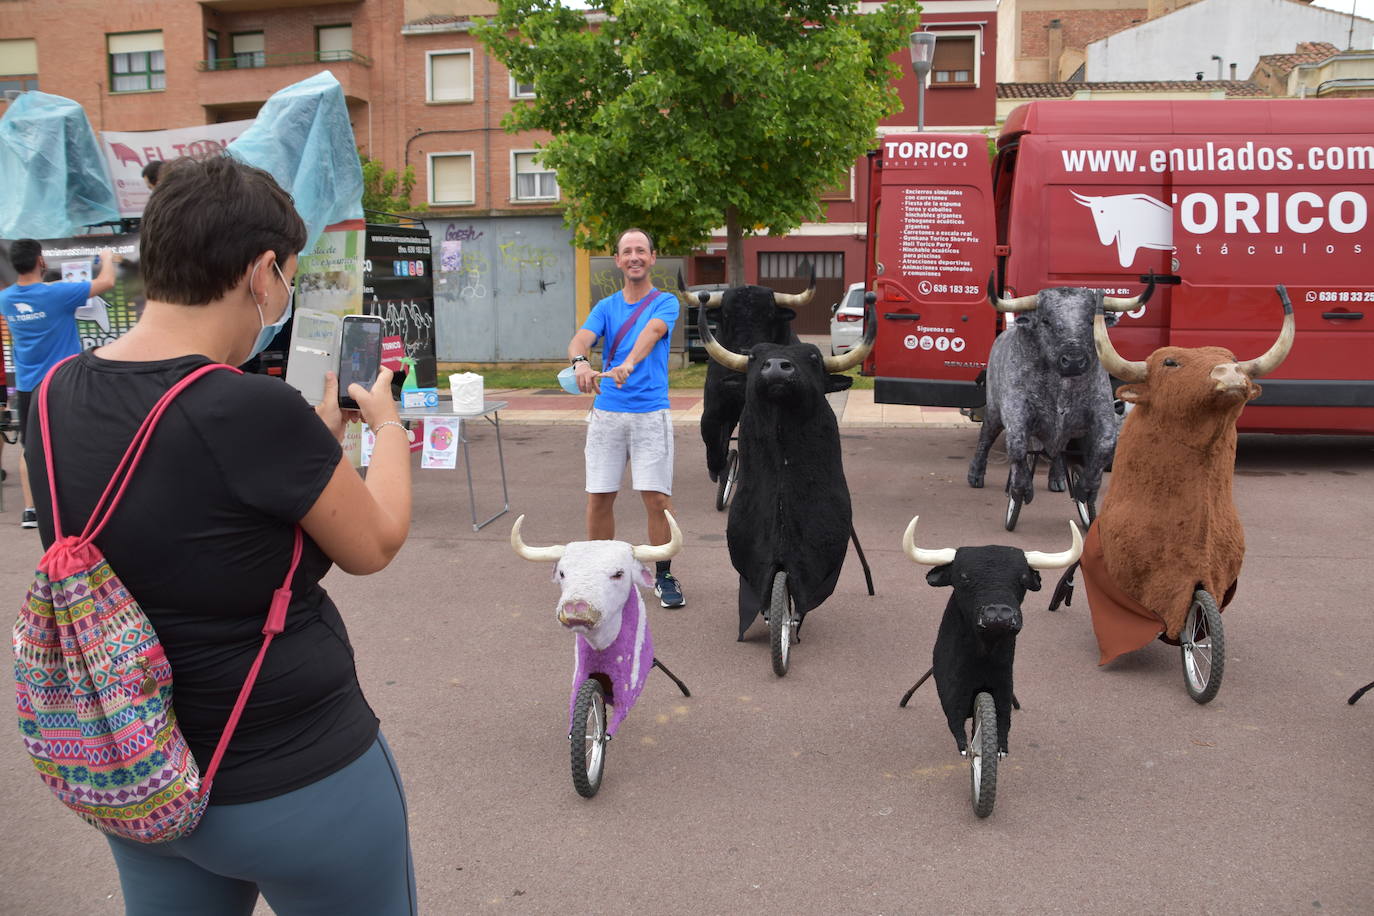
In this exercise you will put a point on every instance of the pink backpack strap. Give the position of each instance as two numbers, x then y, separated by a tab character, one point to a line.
120	479
276	622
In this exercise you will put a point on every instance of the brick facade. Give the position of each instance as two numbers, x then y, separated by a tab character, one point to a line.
1077	27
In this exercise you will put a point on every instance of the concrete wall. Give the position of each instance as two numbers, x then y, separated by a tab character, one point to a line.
1177	46
504	288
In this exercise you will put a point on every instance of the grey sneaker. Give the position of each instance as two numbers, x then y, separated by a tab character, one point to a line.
29	519
668	590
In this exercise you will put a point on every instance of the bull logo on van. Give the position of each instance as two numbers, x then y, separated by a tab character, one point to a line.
1131	222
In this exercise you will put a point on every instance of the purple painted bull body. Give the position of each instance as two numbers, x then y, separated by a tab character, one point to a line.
600	603
1046	387
976	645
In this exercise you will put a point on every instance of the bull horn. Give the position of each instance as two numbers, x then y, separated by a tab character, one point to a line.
538	554
1085	201
1113	304
710	300
920	555
1037	560
797	300
1019	304
649	553
1123	369
727	358
836	364
1263	365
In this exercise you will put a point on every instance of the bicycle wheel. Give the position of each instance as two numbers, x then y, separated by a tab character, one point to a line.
1013	512
1086	513
725	486
781	623
983	755
1204	648
588	738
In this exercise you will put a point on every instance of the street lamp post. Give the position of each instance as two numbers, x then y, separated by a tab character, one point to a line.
922	52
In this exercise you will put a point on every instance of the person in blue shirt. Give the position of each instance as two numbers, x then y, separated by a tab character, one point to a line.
42	321
629	420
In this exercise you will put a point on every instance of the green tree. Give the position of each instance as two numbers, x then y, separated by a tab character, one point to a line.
680	116
386	191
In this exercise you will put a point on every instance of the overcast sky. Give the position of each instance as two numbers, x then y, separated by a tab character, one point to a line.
1363	8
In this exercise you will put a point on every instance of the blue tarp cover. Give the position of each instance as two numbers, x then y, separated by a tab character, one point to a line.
303	137
54	178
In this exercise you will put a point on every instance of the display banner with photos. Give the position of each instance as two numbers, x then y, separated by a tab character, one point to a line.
398	286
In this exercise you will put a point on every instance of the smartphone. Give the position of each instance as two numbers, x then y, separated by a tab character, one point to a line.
360	355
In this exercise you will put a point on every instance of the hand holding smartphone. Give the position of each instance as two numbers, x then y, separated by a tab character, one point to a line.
360	355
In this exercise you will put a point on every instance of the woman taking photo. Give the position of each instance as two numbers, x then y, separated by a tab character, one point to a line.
307	807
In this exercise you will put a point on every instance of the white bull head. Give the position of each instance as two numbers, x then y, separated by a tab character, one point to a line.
596	578
1132	222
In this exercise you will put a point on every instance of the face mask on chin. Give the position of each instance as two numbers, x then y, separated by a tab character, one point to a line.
269	331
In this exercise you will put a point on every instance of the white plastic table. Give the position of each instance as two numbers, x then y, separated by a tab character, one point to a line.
491	412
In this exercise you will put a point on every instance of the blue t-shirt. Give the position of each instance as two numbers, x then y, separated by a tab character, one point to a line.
647	387
42	320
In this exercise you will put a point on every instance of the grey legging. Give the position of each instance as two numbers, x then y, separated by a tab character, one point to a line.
340	846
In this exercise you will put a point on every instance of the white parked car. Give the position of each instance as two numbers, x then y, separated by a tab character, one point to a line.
847	320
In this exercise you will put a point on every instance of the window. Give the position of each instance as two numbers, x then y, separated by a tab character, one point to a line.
136	62
334	42
448	76
841	190
450	178
18	64
780	265
530	179
955	61
249	49
211	49
519	90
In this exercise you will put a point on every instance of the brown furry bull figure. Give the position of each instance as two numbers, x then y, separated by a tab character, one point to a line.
976	645
792	512
747	315
1168	523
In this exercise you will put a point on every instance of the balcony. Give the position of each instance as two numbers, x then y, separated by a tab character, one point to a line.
252	77
237	6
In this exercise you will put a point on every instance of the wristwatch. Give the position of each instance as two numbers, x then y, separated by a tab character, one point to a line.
578	359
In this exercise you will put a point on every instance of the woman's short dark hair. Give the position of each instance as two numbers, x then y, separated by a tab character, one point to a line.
208	221
24	255
151	170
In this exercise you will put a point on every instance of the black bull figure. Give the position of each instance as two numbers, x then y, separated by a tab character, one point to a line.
976	644
792	511
1046	387
747	315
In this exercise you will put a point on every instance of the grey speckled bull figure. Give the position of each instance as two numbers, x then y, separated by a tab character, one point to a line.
1045	387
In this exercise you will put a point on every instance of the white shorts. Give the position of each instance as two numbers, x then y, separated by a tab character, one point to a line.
645	439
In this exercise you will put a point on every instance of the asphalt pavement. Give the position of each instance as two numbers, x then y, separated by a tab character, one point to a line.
815	793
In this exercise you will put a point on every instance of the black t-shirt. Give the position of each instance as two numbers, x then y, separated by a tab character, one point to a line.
202	538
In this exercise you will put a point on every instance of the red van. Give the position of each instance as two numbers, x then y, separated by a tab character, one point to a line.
1220	200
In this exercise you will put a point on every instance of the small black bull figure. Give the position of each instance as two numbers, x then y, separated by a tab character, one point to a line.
792	512
1046	387
976	644
747	315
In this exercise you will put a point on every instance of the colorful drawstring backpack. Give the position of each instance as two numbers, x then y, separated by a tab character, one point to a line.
94	687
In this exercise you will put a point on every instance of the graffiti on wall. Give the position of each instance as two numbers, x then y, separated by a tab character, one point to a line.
531	264
607	279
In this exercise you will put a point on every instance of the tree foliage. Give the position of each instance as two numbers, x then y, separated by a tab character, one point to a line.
386	191
681	116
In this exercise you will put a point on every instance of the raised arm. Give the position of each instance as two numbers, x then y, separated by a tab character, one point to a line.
361	525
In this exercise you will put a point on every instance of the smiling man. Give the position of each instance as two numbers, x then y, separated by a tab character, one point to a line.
629	420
